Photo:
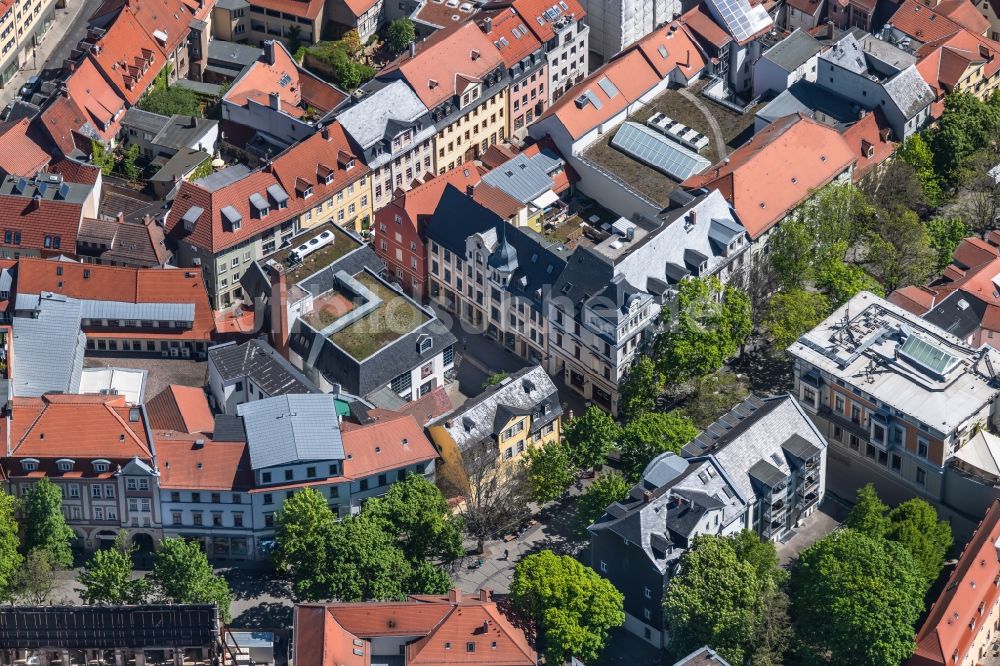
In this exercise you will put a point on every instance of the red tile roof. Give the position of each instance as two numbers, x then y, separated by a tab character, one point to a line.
181	408
128	56
169	18
446	61
704	26
944	62
38	218
869	139
309	9
444	624
922	23
360	7
918	300
90	109
513	48
73	171
760	181
422	200
302	162
959	615
810	7
128	285
301	89
426	409
533	13
81	427
673	47
389	443
965	14
21	155
196	461
497	201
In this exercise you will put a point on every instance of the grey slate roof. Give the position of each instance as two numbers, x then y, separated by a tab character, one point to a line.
528	391
183	131
960	313
369	120
144	121
227	176
49	348
231	52
228	428
291	428
261	363
909	91
813	101
525	178
793	51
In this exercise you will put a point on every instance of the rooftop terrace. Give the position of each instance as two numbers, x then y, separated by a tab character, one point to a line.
318	260
735	128
383	316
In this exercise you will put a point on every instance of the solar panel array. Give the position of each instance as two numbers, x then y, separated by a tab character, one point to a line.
660	153
742	20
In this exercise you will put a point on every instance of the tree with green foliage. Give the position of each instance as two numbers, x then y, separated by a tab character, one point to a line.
607	488
840	281
718	598
346	71
400	35
650	434
573	606
364	562
918	155
899	249
590	438
967	125
868	515
129	163
495	379
711	323
182	575
791	253
37	578
640	389
203	170
10	558
856	600
713	395
417	513
302	530
174	100
945	236
550	471
351	41
914	524
107	577
792	313
102	157
45	525
294	41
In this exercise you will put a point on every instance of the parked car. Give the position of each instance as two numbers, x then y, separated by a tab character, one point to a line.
30	87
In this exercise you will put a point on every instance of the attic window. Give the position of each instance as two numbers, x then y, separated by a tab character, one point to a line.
65	465
133	415
447	645
426	345
29	464
121	437
101	465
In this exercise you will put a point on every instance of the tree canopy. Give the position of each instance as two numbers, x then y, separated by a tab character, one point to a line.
606	488
713	395
718	598
945	236
709	326
302	530
640	389
590	437
856	600
793	313
650	434
400	35
550	471
10	558
107	577
182	575
416	511
574	607
45	526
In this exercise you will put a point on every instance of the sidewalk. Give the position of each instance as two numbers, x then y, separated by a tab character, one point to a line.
66	21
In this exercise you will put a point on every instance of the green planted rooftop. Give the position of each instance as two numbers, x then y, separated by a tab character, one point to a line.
319	259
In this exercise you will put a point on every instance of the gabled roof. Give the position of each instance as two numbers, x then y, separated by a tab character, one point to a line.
869	139
197	461
510	35
92	282
181	408
340	633
292	428
944	62
82	427
540	15
437	71
21	155
262	364
422	200
946	637
49	348
360	7
37	219
127	56
965	14
97	100
763	185
393	442
372	119
923	23
326	153
704	27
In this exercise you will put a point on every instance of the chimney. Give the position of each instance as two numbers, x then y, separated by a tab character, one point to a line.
469	190
325	133
488	24
269	52
274	101
279	310
485	594
455	596
413	49
199	444
120	217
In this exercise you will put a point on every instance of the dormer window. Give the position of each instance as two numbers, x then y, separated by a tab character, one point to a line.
29	464
426	344
65	464
101	465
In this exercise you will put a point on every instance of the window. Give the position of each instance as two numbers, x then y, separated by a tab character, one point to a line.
922	447
265	477
109	491
216	498
195	497
216	520
648	593
364	484
470	646
175	517
95	491
143	484
838	404
268	498
197	518
647	614
310	472
237	498
237	520
921	477
604	567
289	475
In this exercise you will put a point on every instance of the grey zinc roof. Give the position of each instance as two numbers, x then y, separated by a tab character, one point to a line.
145	121
909	91
793	51
49	348
815	102
526	391
261	363
367	120
220	179
183	131
291	428
239	54
524	178
122	310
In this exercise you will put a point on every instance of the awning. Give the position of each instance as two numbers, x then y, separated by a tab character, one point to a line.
545	199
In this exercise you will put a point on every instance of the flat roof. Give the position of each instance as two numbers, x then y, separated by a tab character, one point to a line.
318	260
